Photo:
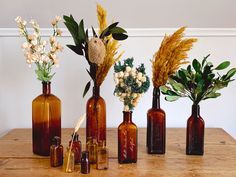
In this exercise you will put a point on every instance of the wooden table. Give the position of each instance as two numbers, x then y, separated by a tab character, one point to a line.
17	159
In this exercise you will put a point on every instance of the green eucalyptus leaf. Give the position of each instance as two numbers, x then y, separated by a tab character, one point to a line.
119	36
164	89
86	89
118	30
172	93
176	86
211	95
182	76
230	73
196	65
223	65
171	98
82	36
76	49
205	59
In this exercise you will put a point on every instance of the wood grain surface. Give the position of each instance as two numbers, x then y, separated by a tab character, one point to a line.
17	159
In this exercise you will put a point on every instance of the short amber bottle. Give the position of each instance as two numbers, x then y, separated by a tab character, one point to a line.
102	156
156	126
76	147
96	116
85	165
46	120
195	133
56	152
91	147
127	140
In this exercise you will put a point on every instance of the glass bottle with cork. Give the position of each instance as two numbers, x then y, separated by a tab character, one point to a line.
56	152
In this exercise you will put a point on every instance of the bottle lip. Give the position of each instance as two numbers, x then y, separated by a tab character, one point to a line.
56	140
85	154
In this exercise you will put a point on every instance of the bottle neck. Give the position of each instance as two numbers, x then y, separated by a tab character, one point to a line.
127	116
96	91
46	88
195	110
156	98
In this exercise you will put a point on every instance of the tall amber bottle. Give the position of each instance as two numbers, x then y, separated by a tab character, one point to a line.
195	133
127	140
96	116
156	126
46	120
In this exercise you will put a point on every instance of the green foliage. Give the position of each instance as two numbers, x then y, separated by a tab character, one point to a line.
198	82
43	72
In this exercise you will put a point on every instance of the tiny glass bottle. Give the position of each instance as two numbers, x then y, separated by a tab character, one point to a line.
76	147
91	147
56	152
102	156
69	161
85	165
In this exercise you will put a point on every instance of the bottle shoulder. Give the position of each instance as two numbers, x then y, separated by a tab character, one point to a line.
47	98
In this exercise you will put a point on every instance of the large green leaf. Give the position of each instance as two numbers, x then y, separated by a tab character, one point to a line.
86	89
82	35
117	30
223	65
196	65
230	73
171	98
119	36
176	86
76	49
211	95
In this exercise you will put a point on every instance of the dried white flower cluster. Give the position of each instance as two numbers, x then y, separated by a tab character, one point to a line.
35	48
131	83
96	51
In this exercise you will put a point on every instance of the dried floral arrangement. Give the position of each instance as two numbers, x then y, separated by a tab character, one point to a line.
130	82
200	81
100	51
171	54
35	48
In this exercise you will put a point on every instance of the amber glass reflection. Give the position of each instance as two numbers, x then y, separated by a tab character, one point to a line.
156	126
127	140
96	117
46	120
195	133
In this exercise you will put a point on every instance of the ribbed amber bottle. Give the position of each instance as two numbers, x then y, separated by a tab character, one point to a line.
195	133
96	116
46	120
156	126
127	140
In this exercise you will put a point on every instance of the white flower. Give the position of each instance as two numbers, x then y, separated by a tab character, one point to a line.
58	18
122	84
121	74
126	74
44	43
123	95
139	76
144	79
133	74
59	32
128	69
133	70
18	19
34	42
25	45
116	75
52	39
116	81
134	95
126	108
139	83
121	99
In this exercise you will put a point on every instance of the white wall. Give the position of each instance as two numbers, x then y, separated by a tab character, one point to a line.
19	85
131	13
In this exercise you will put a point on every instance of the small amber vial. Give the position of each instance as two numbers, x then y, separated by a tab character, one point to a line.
76	147
91	147
69	161
102	156
56	152
85	165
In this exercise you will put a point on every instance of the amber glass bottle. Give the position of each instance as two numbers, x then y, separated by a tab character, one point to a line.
156	126
56	152
76	148
127	140
102	156
46	120
195	133
91	147
96	117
